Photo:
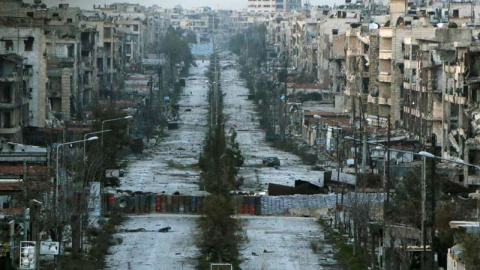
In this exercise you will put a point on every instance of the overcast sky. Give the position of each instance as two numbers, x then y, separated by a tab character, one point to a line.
222	4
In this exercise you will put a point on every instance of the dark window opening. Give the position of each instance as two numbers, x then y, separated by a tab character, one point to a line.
9	45
456	13
5	93
334	32
29	44
69	20
366	82
30	14
6	121
71	50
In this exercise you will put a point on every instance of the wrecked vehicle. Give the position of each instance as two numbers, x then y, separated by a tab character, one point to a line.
271	161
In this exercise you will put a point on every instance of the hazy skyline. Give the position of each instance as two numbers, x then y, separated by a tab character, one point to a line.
229	4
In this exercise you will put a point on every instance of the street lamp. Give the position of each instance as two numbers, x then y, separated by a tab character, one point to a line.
85	141
57	168
111	120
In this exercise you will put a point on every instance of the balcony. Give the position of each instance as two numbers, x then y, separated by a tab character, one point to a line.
473	180
10	130
386	32
385	78
383	101
455	99
371	99
8	77
409	64
9	105
87	47
411	111
385	54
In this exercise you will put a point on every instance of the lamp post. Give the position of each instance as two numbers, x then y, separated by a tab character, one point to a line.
57	176
57	168
424	156
111	120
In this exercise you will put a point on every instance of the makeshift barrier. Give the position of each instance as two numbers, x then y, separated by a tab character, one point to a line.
146	202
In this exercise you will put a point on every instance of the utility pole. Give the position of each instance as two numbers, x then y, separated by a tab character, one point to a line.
424	214
150	118
316	141
364	136
387	167
285	98
338	176
432	190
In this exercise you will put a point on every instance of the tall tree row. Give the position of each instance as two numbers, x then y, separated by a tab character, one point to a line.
220	234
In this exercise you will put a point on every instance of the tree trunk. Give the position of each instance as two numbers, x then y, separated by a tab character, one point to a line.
75	235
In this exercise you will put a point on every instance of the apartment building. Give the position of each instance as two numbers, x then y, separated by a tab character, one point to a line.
460	107
357	66
270	6
14	95
25	38
335	23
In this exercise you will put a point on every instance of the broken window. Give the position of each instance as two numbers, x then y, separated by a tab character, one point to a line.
71	50
5	120
456	13
29	44
6	93
9	45
334	32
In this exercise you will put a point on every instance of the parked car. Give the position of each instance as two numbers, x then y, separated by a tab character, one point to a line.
271	161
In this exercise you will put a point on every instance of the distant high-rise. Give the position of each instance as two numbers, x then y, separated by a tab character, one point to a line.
262	6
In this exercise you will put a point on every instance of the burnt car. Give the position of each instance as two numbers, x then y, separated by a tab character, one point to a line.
271	161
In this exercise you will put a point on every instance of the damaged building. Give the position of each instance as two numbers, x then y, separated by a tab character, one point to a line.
25	38
14	95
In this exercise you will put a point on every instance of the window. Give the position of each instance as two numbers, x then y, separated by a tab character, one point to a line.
30	14
6	93
456	13
135	28
69	20
9	45
334	32
29	44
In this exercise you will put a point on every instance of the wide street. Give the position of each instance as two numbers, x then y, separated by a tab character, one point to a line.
170	167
